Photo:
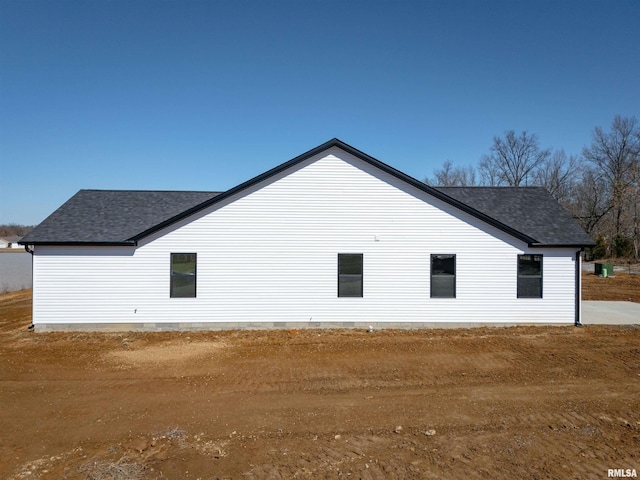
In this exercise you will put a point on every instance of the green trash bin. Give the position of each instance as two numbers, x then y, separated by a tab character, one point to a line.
604	269
609	269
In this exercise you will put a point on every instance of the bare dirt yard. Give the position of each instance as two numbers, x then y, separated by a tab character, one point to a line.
621	287
494	403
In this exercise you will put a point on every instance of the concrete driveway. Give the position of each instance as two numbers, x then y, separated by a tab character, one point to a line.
610	313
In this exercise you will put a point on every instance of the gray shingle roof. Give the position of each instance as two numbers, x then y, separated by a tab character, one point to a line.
531	211
112	216
123	217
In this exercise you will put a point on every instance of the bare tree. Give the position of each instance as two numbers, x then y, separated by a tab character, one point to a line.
558	175
634	207
489	172
513	160
450	176
615	156
13	229
601	189
589	202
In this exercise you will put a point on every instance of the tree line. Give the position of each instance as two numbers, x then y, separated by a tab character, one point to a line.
600	187
14	230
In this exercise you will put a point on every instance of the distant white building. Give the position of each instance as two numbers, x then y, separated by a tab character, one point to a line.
10	242
331	238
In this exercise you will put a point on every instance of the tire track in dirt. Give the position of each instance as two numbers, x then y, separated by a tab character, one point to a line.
567	444
352	456
569	437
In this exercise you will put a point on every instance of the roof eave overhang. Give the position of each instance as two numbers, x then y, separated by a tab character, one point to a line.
561	245
125	243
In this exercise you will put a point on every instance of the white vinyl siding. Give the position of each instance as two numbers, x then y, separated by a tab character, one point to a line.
269	255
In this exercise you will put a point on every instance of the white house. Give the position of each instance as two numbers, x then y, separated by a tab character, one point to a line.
331	238
10	242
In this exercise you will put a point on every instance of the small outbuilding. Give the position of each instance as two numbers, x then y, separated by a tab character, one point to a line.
331	238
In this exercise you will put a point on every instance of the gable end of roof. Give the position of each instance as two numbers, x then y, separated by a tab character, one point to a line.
335	142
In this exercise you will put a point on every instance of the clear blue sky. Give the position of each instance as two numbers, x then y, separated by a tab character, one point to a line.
203	95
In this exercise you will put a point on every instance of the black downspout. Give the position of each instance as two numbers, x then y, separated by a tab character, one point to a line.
30	250
578	282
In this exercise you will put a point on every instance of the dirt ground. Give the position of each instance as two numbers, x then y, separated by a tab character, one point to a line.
494	403
622	286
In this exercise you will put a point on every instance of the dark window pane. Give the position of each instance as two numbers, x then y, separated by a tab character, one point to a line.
350	286
529	287
183	275
530	265
350	264
443	286
443	265
529	276
350	275
443	276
